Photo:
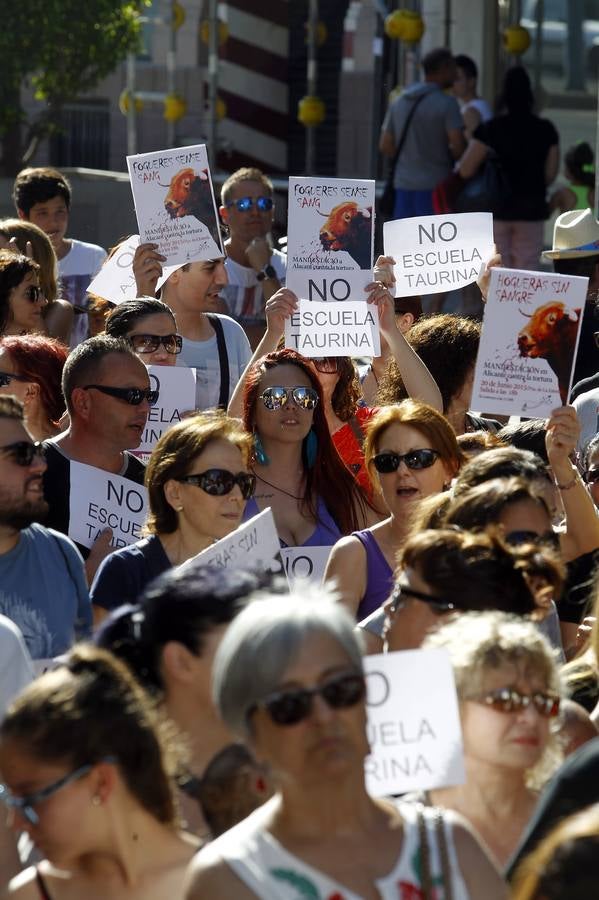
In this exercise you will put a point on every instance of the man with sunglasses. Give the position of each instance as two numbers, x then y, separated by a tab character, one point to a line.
42	580
255	270
108	397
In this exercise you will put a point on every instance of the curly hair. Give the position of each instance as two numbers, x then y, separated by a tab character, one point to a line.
329	479
448	346
348	390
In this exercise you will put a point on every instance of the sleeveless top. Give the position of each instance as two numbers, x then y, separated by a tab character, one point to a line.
325	534
379	575
581	192
273	873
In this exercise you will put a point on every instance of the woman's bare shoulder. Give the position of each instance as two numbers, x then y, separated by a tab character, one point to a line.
209	876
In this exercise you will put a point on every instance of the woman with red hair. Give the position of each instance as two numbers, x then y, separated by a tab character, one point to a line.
31	369
313	496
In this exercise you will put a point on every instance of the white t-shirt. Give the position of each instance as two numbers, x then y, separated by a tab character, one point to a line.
587	410
243	294
16	670
203	357
481	106
76	270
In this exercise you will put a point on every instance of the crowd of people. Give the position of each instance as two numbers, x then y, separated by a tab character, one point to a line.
171	729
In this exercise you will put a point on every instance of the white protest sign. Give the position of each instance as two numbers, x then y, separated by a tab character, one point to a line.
253	546
528	343
306	563
174	203
413	724
176	386
100	500
330	238
438	253
334	329
115	281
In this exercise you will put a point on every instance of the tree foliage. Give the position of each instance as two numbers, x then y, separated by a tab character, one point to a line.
62	49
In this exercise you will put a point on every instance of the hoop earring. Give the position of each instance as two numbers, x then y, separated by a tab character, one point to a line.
259	451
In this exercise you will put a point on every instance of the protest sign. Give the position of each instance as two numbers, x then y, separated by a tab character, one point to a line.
334	329
254	546
115	281
174	203
529	338
438	253
413	723
100	500
330	234
176	386
307	563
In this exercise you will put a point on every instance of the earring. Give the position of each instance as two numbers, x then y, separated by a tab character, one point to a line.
96	800
259	451
178	509
311	448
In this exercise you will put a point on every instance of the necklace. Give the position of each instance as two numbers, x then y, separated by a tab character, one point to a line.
277	488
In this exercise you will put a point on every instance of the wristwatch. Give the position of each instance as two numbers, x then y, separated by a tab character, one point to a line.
267	272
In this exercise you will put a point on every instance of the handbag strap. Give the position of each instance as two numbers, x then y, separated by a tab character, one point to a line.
223	360
404	133
426	874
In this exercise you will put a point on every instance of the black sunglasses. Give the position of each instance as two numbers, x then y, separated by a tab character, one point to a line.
416	459
509	700
401	592
7	377
149	343
23	452
218	482
34	293
133	396
548	538
276	397
327	365
264	204
293	706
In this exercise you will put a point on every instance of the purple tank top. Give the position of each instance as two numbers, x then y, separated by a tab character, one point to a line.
379	575
325	534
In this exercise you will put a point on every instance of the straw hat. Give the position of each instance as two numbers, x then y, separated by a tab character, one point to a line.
575	233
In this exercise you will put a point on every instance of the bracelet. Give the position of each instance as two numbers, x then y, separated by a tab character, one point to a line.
568	484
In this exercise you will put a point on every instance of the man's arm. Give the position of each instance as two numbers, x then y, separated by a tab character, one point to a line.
456	142
387	144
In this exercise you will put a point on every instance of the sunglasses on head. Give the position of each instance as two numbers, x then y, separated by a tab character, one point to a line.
264	204
133	396
293	706
388	461
149	343
327	365
23	452
218	482
276	397
7	377
549	538
401	592
33	293
591	476
26	805
508	700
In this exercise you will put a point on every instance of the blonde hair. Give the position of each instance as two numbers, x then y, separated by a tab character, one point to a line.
43	252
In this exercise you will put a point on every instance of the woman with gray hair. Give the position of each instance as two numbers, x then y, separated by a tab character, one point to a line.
288	678
509	694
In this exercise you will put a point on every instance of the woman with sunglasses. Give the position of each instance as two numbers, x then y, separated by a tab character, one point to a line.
31	369
198	483
149	326
21	300
288	679
509	698
313	497
411	453
345	413
70	751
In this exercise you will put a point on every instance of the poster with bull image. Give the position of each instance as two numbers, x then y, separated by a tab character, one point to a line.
529	340
174	203
329	263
